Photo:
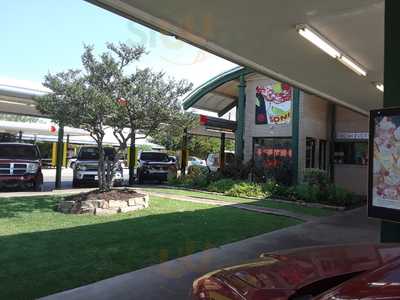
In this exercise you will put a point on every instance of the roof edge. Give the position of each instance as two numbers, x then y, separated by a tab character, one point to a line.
214	83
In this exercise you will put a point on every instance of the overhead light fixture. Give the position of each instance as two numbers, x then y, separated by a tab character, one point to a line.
352	65
318	40
379	86
329	48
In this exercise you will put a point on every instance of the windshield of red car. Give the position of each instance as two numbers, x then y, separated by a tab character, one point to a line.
9	151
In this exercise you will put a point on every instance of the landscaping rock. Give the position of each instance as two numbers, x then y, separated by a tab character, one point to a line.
142	200
108	211
89	204
87	210
76	209
99	203
66	206
130	209
115	201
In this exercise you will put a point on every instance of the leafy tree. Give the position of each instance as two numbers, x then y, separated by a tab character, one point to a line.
171	134
171	137
105	94
147	103
85	98
200	146
60	105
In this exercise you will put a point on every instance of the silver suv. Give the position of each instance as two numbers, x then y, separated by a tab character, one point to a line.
86	165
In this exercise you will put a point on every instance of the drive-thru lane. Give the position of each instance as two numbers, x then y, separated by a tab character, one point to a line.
49	176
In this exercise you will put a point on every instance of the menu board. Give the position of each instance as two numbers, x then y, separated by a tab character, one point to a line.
384	167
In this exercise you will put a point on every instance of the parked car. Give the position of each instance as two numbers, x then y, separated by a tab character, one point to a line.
154	166
124	163
213	160
174	160
72	162
325	273
86	166
20	166
194	161
46	163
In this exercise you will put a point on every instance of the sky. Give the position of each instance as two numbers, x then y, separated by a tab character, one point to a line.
44	36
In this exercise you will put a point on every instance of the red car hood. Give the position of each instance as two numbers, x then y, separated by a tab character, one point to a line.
280	275
382	283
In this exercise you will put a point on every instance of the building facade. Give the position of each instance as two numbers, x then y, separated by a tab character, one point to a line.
282	127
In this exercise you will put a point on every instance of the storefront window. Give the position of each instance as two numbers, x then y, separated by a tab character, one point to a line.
352	153
310	153
322	154
273	159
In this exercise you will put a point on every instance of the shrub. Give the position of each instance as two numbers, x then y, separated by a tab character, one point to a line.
308	193
259	173
174	180
236	188
181	181
199	181
340	197
331	195
198	170
221	186
282	172
316	177
214	176
196	178
237	170
273	188
245	189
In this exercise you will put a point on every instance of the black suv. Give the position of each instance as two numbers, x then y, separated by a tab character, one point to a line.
155	166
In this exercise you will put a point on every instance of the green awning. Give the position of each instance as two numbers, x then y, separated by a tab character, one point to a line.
218	94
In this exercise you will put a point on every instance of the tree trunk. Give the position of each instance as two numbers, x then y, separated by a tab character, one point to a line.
109	166
101	168
132	157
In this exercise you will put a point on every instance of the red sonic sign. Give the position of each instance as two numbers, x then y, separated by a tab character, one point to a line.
53	129
274	103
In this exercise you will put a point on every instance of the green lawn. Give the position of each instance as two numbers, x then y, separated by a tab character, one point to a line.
293	207
43	252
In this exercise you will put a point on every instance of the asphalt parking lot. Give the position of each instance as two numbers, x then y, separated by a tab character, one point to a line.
49	176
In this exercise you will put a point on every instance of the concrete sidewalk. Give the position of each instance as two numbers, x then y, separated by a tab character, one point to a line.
173	279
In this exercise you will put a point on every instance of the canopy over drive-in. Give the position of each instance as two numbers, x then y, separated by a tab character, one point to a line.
262	35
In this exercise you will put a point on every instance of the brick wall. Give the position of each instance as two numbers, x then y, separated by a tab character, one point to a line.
314	123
